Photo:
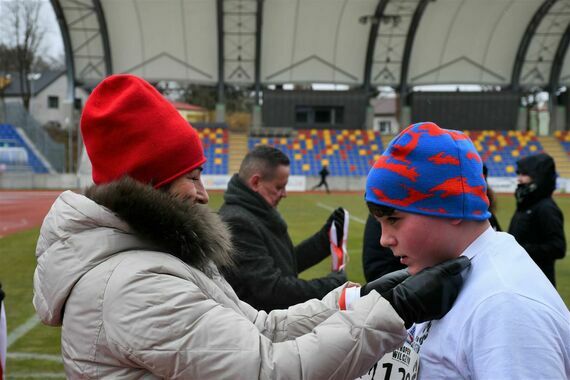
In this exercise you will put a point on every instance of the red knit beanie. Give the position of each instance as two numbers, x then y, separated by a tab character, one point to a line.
130	129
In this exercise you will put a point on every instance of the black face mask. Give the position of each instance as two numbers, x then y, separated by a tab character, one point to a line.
524	190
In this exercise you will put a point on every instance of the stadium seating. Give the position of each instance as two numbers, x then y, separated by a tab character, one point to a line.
9	138
346	152
215	142
501	149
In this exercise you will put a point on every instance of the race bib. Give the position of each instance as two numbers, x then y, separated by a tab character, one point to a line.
400	364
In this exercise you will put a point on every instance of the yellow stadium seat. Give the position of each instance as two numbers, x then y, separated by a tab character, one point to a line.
362	152
217	161
510	169
515	153
298	156
264	140
218	151
306	167
532	148
283	141
324	162
296	146
497	158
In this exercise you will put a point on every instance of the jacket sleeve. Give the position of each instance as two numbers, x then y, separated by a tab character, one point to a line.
263	281
312	251
550	222
173	329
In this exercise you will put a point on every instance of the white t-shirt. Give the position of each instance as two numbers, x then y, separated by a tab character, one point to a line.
507	323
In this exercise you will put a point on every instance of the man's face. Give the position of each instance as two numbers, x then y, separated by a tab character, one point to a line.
419	241
273	190
523	179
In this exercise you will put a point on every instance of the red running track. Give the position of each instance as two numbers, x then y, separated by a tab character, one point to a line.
22	210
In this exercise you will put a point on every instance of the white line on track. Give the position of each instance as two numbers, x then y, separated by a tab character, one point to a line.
35	375
22	330
329	208
34	356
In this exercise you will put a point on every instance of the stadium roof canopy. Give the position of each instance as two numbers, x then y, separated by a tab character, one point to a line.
400	43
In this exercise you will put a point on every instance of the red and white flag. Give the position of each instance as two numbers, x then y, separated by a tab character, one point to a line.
338	248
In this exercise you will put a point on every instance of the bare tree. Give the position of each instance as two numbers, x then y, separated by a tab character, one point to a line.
26	34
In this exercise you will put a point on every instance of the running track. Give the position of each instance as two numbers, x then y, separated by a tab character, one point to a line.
22	210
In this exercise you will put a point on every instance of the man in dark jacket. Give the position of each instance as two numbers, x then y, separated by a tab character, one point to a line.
266	275
538	223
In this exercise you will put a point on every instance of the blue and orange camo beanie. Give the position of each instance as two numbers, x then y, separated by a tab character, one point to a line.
431	171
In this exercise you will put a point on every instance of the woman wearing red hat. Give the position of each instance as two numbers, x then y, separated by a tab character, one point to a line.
129	269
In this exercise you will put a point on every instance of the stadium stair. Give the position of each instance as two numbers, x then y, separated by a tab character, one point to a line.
237	150
552	146
386	139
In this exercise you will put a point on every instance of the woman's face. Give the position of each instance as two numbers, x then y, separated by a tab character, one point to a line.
190	188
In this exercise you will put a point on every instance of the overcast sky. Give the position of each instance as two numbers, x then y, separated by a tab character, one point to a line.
52	43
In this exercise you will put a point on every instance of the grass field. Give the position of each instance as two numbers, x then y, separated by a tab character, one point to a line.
34	351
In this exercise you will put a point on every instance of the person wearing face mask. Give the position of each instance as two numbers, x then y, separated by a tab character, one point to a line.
129	269
538	222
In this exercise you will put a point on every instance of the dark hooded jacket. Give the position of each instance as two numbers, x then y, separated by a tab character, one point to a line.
267	262
538	223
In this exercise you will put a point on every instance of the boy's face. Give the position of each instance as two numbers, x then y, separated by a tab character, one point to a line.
419	241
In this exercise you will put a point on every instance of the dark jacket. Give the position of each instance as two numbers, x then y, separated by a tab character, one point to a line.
538	223
376	259
267	261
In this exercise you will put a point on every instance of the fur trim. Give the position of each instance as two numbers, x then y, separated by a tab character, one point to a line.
194	234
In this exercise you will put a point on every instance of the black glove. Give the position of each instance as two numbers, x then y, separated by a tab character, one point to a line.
337	217
386	282
428	294
1	293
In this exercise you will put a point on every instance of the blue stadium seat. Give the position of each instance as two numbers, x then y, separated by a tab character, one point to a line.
10	138
500	150
346	152
215	142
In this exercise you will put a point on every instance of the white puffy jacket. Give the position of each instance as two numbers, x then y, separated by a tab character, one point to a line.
130	310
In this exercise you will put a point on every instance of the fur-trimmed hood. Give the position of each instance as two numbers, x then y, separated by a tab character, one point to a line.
194	234
81	232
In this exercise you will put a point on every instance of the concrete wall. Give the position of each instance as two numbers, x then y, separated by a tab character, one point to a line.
26	181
